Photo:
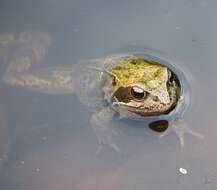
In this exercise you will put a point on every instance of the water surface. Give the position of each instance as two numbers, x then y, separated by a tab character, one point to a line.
47	140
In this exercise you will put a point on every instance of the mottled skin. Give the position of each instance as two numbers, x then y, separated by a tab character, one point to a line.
132	86
161	96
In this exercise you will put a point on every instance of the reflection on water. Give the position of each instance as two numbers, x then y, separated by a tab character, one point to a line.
46	142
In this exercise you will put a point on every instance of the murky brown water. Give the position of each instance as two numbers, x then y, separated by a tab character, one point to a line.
46	142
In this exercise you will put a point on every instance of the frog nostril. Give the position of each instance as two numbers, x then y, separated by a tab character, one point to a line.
155	98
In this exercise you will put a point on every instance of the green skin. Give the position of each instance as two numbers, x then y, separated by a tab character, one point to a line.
110	78
152	78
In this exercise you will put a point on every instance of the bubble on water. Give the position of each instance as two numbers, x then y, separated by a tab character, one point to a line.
178	28
22	162
183	171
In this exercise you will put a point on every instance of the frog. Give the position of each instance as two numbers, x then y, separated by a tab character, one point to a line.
137	86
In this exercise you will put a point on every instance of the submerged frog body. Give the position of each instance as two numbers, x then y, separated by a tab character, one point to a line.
136	86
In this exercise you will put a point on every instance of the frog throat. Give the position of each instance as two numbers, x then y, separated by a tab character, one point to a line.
148	75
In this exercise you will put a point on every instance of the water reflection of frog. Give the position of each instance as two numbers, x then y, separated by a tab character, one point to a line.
135	86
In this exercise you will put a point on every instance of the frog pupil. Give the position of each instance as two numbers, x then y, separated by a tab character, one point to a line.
138	93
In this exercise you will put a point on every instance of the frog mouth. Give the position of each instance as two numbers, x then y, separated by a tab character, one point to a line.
117	104
140	109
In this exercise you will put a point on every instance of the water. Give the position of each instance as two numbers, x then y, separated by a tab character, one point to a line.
47	140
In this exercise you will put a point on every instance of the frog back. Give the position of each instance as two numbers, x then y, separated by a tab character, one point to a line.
88	84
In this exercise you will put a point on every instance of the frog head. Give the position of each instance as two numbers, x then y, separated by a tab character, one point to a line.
145	87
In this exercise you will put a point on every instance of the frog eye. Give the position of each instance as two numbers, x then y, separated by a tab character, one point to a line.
138	92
